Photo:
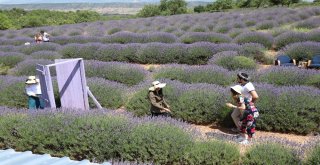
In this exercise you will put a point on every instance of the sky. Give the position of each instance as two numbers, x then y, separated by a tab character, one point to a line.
80	1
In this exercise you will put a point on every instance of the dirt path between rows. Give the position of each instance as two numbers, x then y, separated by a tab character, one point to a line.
259	134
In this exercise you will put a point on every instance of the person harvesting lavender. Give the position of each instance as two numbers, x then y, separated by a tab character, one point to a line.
33	90
159	107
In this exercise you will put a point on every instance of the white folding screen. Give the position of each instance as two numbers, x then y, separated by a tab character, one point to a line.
71	83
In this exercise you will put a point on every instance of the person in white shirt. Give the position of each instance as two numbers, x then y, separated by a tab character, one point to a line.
45	36
33	90
248	91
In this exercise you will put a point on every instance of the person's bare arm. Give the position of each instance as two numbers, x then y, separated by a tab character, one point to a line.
254	95
241	107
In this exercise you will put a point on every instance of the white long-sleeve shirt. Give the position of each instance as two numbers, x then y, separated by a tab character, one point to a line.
33	89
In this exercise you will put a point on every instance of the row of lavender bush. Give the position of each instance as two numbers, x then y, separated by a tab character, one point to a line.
196	53
239	37
104	135
159	53
212	74
284	109
222	71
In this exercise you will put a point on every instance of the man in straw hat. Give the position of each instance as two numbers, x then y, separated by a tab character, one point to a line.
33	90
158	105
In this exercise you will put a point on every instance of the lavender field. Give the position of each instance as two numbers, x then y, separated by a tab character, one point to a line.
197	55
194	50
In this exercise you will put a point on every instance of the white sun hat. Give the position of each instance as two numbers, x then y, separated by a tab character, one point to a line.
32	80
157	84
237	88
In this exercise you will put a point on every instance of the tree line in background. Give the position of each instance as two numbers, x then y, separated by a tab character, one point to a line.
219	5
173	7
20	18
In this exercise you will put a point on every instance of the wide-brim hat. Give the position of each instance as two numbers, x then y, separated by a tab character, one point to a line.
237	88
32	80
157	84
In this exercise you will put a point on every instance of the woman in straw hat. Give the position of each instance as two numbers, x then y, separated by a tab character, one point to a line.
33	90
158	105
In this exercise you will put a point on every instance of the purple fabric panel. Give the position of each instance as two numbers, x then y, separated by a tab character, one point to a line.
46	86
70	83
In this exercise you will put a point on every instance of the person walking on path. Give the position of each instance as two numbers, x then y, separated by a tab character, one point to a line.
248	91
33	90
159	107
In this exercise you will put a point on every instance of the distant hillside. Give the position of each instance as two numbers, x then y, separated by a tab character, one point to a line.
103	8
85	1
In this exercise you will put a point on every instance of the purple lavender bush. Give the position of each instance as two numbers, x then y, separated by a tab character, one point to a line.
270	154
157	140
11	58
49	55
128	37
129	74
28	49
192	103
301	50
8	48
310	23
255	37
205	37
286	76
160	53
12	91
85	51
268	24
314	157
287	38
63	40
232	61
117	52
195	74
288	109
16	41
109	94
314	35
28	67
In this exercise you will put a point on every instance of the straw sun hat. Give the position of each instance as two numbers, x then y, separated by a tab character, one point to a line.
157	84
32	80
237	88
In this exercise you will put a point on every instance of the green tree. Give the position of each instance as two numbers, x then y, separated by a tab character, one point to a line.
251	3
5	22
149	11
172	7
86	16
223	5
199	9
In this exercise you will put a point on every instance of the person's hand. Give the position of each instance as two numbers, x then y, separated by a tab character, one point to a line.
167	110
249	124
230	105
240	123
